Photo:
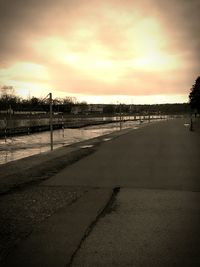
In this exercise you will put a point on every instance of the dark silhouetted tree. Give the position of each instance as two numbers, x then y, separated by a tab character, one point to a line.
7	90
195	96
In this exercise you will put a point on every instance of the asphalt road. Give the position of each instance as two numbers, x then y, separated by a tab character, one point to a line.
164	155
146	228
152	221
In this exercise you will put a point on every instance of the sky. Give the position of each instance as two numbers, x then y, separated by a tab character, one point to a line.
113	51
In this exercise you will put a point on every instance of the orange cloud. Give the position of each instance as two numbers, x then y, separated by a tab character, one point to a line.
111	47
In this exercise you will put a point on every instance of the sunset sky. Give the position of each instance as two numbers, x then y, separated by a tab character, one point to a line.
130	51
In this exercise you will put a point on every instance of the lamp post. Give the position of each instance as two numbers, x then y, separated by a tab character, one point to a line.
120	111
191	124
51	120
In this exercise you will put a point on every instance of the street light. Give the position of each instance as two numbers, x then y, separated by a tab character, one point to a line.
51	119
120	115
191	124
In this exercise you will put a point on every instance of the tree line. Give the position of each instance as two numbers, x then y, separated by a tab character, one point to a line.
8	100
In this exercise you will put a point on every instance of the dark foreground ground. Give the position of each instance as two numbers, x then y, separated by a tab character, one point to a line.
130	200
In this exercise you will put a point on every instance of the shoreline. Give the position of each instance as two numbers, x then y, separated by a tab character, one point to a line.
36	168
20	131
26	126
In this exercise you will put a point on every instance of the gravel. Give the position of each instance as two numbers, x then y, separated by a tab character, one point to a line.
22	210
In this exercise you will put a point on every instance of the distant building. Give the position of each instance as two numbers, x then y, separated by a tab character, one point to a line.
76	109
95	108
87	109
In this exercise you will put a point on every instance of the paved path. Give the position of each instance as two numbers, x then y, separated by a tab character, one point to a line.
146	228
54	241
164	155
152	221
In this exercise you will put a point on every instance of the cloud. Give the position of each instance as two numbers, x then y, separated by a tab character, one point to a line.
103	47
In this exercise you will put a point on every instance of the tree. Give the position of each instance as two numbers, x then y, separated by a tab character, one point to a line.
68	102
194	96
83	107
7	90
8	99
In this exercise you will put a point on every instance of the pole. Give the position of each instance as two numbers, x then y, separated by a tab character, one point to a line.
10	121
63	126
191	124
5	131
51	120
120	111
29	122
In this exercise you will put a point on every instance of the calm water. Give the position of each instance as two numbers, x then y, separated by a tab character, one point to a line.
24	146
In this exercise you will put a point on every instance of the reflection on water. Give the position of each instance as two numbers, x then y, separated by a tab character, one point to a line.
24	146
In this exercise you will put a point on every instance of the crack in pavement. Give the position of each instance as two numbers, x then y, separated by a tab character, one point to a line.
107	209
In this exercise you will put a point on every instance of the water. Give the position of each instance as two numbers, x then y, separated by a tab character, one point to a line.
23	146
27	122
